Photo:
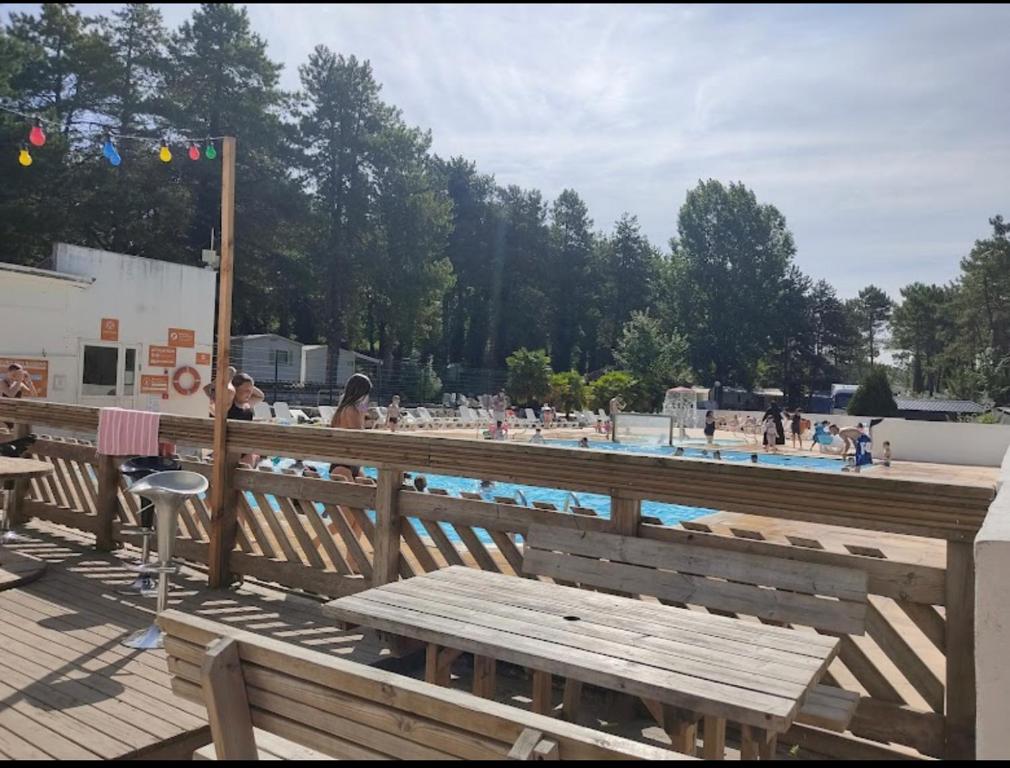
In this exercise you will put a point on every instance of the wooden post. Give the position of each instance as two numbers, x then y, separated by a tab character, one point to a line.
386	565
959	718
625	514
223	515
107	503
227	702
20	487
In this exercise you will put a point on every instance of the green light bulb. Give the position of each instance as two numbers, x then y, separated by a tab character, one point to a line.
210	152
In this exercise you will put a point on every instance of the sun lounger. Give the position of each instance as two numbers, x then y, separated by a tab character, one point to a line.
326	414
261	412
282	414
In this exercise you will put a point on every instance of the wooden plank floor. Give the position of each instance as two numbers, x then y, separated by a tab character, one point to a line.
69	689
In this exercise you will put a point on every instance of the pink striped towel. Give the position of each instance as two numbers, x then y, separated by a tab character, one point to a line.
127	433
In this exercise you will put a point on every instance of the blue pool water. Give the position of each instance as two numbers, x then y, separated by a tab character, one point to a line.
668	513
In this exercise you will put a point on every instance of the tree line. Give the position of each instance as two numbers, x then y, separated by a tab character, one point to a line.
352	231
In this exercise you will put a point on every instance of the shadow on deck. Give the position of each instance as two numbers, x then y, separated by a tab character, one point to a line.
69	689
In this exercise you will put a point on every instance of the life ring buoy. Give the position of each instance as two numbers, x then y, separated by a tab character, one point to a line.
177	378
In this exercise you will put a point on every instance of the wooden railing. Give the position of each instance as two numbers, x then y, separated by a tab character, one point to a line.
914	668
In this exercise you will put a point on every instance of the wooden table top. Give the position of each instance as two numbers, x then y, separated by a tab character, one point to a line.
712	665
15	469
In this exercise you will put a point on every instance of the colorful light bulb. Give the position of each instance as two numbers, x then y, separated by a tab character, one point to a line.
24	157
110	152
36	135
165	154
210	153
194	151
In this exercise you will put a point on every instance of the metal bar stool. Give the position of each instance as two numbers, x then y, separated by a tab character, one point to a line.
169	491
136	469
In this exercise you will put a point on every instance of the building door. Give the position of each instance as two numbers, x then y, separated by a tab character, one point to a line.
108	374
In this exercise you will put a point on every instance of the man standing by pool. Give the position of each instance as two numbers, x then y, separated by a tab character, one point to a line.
616	404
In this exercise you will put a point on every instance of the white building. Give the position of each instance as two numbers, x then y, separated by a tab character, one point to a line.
314	360
268	357
104	329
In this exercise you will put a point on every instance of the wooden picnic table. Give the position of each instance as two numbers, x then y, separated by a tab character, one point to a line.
687	666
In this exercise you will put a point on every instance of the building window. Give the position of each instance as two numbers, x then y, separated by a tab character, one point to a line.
280	357
99	378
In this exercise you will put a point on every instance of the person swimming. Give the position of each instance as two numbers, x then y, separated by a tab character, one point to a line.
584	442
753	458
679	451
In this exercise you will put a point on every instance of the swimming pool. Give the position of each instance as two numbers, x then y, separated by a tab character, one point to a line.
668	513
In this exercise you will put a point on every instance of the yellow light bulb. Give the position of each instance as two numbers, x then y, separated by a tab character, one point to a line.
165	154
24	157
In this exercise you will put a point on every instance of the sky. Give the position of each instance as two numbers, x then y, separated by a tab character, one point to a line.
881	132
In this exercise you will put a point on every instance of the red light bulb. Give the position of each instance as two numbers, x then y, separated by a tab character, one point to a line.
194	152
37	136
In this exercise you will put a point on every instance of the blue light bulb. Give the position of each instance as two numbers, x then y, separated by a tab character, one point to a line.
109	150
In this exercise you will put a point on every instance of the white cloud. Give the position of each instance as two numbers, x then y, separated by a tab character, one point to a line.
879	131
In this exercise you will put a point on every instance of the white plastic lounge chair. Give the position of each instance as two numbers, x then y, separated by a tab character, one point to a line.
326	414
261	412
467	418
298	416
282	414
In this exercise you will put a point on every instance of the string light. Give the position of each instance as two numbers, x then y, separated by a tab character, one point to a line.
110	152
36	135
37	138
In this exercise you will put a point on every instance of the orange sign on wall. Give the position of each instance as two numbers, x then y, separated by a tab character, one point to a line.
110	329
154	385
181	337
161	356
37	369
203	358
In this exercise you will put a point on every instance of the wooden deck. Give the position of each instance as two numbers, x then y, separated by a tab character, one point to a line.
69	690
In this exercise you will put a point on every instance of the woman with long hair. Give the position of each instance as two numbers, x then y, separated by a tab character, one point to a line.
350	414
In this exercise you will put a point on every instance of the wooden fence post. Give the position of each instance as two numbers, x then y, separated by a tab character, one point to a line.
107	503
959	720
20	488
625	515
224	521
386	565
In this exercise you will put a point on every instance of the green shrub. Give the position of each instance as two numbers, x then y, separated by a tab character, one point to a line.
617	384
529	373
874	396
568	391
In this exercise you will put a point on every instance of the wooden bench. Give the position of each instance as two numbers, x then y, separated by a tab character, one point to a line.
267	699
829	598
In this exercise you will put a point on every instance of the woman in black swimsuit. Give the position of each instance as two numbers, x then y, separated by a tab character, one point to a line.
709	426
